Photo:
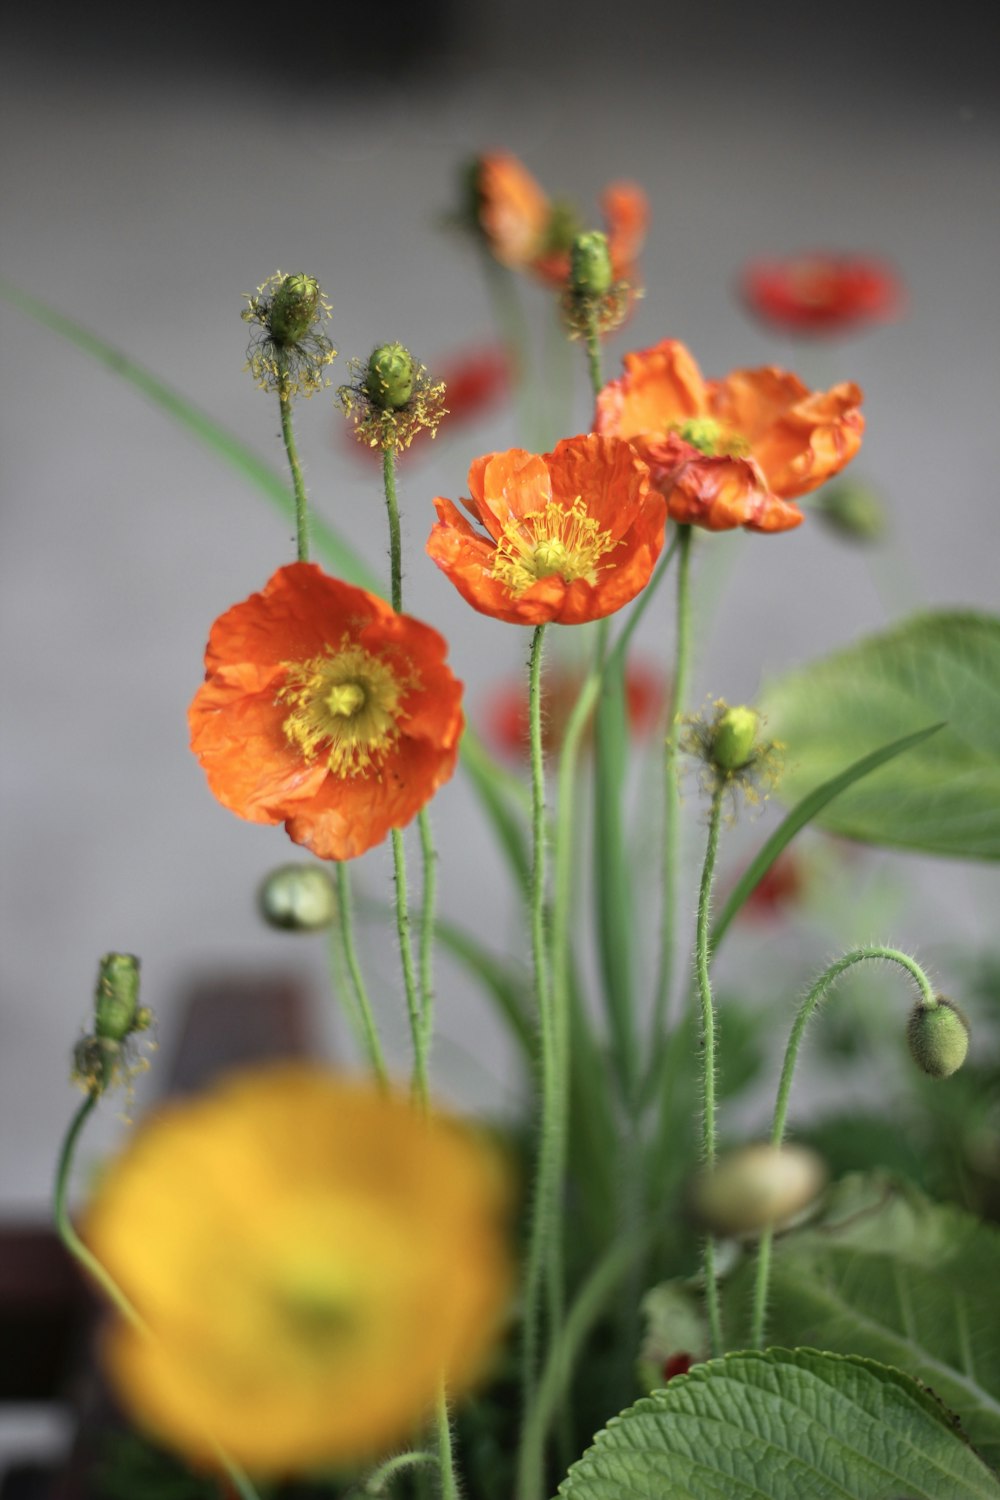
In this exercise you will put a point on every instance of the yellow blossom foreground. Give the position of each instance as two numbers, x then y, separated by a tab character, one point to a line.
311	1257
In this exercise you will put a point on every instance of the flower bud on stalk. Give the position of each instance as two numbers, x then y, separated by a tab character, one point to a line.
391	398
593	301
298	898
390	376
288	351
590	264
733	738
939	1037
106	1055
756	1187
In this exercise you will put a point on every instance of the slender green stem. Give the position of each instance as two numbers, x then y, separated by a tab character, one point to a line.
369	1027
446	1458
298	484
817	994
594	355
671	789
545	1199
379	1478
395	542
702	964
240	1481
413	1007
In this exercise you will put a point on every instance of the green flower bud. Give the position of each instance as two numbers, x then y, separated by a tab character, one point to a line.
390	376
734	738
116	999
756	1186
293	308
853	511
939	1037
298	898
590	264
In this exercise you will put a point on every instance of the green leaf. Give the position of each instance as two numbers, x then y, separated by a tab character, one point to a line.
805	812
783	1425
942	797
889	1274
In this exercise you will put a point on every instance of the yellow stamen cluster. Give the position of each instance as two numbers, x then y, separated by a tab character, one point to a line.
288	365
392	428
711	438
558	541
345	707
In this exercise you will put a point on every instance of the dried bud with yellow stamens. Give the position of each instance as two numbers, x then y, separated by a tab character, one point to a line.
590	264
593	301
109	1054
733	738
938	1035
288	350
294	308
390	376
298	898
734	755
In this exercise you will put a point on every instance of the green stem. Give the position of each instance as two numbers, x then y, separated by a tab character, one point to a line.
594	355
369	1027
240	1482
708	1108
379	1478
544	1203
671	789
298	484
810	1004
413	1007
395	542
446	1458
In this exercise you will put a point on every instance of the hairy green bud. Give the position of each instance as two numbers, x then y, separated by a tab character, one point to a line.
590	264
390	376
294	308
116	998
734	738
298	898
939	1037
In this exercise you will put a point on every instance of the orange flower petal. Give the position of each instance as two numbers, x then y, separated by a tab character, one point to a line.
661	386
626	216
821	293
513	210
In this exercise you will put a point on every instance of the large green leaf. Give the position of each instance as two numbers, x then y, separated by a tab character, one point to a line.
783	1425
943	796
891	1275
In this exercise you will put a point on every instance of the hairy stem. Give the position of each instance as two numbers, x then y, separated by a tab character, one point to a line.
708	1106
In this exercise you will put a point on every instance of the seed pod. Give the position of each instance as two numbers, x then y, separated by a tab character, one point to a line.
756	1186
590	264
294	308
298	898
116	999
734	738
939	1037
390	377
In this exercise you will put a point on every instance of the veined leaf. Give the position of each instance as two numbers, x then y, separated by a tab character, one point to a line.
942	797
783	1425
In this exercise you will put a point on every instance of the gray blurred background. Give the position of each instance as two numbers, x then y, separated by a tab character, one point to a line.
157	165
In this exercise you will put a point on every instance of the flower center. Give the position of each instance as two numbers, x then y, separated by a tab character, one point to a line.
345	707
557	542
711	438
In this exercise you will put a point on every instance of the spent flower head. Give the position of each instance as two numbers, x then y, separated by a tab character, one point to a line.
734	756
391	398
594	297
288	350
109	1054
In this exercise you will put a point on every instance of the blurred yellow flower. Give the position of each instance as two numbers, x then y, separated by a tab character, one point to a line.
311	1258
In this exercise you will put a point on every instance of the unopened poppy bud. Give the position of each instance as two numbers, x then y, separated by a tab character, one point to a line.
590	264
116	999
853	511
298	898
939	1037
293	308
756	1186
390	377
734	737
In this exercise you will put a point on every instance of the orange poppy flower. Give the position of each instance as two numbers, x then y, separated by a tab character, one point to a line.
821	293
646	694
567	536
325	710
731	452
526	231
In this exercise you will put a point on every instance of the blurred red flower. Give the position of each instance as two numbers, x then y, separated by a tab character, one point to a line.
782	887
822	294
507	726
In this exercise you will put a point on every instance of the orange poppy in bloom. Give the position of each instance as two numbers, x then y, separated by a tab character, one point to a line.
645	698
567	536
822	293
526	231
731	452
325	710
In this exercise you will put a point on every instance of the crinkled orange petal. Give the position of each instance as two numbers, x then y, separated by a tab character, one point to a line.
607	473
513	210
724	492
661	386
812	440
250	766
750	401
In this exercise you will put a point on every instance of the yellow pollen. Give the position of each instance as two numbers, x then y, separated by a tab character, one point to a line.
557	542
710	438
345	707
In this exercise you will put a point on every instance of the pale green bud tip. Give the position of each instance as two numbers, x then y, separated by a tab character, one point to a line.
390	376
298	898
590	264
116	999
294	308
734	737
939	1037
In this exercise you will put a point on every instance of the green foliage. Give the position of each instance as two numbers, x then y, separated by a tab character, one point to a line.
782	1425
888	1274
942	797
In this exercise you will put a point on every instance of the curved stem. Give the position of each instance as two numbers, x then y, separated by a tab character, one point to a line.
369	1027
377	1480
702	964
298	484
449	1479
807	1010
239	1481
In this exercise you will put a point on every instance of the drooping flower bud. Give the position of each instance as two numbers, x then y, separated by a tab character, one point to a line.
590	264
116	998
853	511
298	898
294	307
939	1037
756	1186
734	737
390	376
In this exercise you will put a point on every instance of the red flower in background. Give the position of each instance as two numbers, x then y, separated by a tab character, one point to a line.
782	887
507	711
822	294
